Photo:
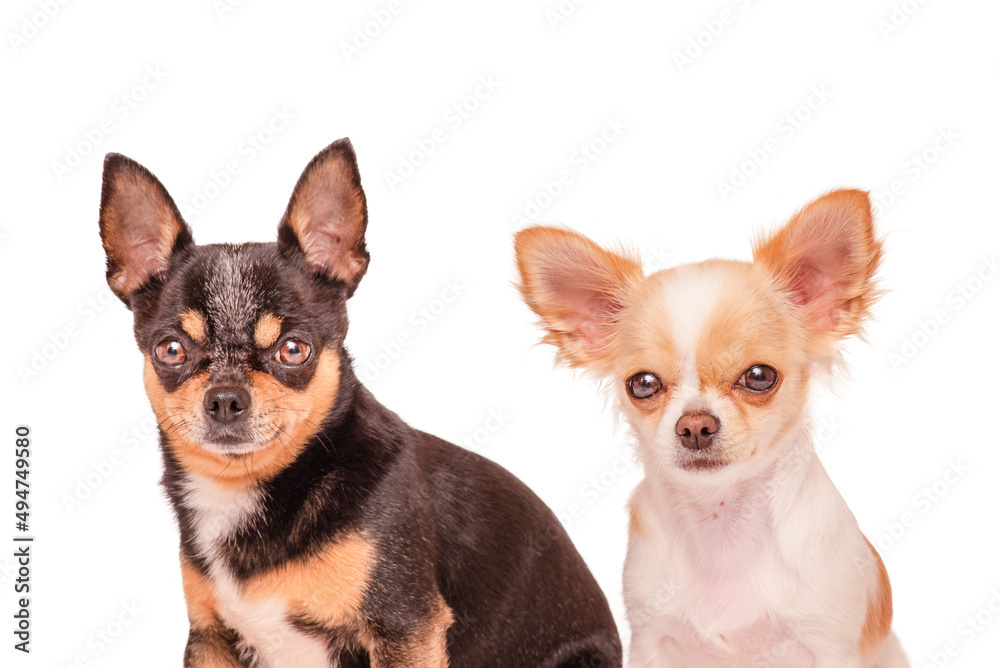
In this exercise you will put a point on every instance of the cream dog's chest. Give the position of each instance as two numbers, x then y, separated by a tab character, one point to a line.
763	643
722	599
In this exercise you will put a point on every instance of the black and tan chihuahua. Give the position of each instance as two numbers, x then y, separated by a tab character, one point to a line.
317	529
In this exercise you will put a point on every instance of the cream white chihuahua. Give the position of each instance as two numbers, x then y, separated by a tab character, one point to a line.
741	551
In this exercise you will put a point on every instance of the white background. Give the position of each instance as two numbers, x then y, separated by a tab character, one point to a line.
881	94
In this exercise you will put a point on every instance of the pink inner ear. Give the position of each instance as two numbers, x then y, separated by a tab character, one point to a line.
329	252
141	233
327	214
827	256
820	289
588	313
578	289
820	280
577	299
143	259
819	271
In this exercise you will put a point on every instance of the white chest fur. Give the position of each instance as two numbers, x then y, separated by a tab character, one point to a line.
263	624
773	573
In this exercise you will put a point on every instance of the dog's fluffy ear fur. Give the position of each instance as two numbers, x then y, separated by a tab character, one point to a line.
141	227
577	289
826	258
327	216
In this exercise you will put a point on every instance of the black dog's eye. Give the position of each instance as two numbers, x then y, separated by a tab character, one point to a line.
759	378
171	352
293	353
643	385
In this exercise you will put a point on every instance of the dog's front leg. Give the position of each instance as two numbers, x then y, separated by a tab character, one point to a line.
210	643
843	658
210	648
424	646
645	658
428	652
651	648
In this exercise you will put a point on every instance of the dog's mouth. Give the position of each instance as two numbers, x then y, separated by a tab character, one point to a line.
702	463
231	446
248	434
233	441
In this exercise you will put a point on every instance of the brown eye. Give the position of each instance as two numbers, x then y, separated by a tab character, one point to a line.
171	352
293	353
643	385
759	378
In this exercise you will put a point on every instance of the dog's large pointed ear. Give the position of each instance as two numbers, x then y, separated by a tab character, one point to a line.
141	227
327	216
578	289
826	258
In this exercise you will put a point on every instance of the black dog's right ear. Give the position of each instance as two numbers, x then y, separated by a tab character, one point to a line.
327	216
141	227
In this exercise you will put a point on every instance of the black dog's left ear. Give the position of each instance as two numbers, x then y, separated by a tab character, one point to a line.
327	216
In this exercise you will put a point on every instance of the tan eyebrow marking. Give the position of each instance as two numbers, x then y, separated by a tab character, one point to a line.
193	324
267	330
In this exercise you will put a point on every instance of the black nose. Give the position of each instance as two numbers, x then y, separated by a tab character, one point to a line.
226	404
697	430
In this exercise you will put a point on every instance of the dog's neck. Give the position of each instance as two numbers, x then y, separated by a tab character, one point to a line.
746	497
343	463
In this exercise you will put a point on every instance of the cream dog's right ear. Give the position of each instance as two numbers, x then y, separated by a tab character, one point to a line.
578	289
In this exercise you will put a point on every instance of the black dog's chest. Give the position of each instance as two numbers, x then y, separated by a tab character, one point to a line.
276	610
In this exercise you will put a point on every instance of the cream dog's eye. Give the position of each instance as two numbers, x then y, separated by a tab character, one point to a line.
643	385
759	378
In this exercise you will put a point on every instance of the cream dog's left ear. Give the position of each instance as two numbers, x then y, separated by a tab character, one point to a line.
826	257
